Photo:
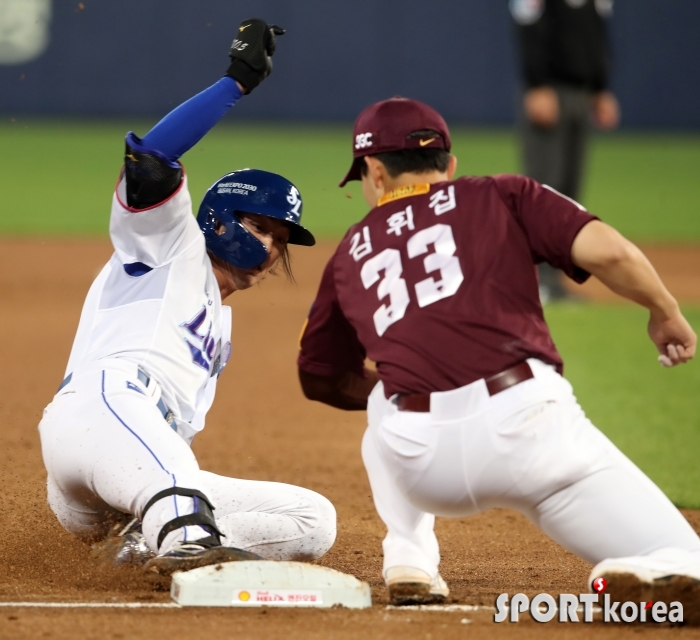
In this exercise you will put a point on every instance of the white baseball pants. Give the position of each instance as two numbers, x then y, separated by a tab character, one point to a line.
529	448
108	450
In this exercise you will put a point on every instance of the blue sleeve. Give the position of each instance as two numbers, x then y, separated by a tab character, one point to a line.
187	124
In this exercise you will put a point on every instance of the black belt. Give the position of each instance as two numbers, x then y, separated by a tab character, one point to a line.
420	403
168	415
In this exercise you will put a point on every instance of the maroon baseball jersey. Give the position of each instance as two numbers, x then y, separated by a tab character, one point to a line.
438	284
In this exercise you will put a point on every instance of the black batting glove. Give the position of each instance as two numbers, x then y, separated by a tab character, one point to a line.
251	52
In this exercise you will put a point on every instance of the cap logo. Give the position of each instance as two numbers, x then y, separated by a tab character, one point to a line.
423	143
363	140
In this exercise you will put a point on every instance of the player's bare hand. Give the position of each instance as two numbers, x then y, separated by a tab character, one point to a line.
606	111
674	338
251	52
542	107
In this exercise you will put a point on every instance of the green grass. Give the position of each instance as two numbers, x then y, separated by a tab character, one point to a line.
57	177
647	186
651	413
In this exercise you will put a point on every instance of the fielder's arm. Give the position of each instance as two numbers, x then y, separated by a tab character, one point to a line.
623	268
348	392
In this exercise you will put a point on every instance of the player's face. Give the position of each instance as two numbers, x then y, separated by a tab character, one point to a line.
274	234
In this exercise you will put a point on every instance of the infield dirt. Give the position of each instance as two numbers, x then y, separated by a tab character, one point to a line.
259	428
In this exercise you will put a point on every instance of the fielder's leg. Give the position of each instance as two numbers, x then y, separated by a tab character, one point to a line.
586	494
546	157
411	551
611	514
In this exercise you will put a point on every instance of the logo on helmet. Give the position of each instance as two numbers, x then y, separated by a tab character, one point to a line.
235	187
294	199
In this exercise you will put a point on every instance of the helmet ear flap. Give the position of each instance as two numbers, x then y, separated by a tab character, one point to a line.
256	191
228	239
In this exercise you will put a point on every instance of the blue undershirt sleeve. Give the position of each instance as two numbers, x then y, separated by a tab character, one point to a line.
187	124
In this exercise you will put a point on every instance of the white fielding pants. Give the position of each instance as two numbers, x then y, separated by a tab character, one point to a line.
108	450
529	448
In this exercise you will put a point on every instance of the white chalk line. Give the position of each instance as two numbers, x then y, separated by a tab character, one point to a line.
464	607
173	605
94	605
444	608
440	608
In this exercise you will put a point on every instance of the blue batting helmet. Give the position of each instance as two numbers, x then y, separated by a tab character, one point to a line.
248	191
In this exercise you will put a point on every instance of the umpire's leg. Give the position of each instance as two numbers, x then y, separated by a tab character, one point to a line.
554	156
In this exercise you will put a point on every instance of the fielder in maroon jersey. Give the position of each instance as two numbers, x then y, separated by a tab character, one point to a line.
467	408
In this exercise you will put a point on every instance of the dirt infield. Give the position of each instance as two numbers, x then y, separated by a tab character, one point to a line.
260	428
679	266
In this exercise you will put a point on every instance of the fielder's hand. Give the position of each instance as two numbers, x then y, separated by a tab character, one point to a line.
674	338
251	52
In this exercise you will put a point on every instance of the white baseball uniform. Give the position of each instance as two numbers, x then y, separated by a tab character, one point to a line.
530	448
152	340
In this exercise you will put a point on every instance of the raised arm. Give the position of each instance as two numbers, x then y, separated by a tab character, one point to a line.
152	170
623	268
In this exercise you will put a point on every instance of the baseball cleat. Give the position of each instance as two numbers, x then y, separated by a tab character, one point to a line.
408	585
124	546
637	579
190	555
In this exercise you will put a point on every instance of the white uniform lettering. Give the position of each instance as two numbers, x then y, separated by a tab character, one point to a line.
363	140
360	244
442	202
396	221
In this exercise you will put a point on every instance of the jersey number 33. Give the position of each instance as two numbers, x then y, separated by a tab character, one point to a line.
428	291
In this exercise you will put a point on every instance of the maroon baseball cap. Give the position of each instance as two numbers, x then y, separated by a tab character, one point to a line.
392	125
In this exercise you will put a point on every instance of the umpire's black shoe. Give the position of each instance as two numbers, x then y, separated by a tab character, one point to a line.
190	555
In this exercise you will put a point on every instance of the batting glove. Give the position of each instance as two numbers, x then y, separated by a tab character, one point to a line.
251	52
